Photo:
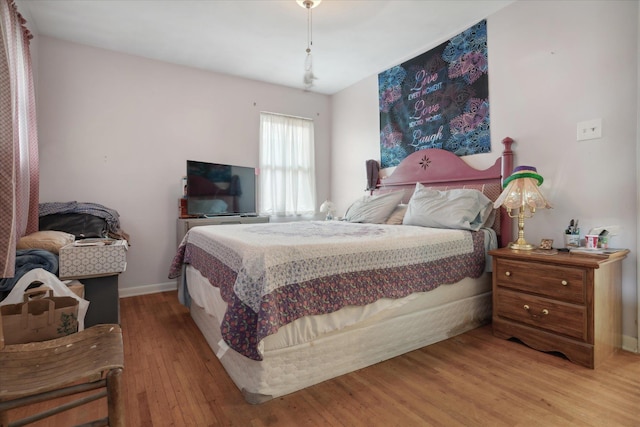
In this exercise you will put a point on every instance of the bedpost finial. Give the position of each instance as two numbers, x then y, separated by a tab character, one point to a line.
507	143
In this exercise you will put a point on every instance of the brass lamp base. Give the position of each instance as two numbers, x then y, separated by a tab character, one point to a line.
521	246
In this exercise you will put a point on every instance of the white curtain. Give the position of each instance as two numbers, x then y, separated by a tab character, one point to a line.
287	166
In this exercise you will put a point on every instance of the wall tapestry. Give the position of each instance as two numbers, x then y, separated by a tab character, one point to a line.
439	99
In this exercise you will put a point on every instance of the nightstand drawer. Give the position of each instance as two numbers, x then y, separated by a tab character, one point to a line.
554	316
553	281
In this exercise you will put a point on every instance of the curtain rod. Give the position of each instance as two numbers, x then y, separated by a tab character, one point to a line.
286	115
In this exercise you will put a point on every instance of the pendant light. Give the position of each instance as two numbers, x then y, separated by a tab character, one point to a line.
308	76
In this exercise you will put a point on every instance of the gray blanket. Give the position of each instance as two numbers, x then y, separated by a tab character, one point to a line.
111	216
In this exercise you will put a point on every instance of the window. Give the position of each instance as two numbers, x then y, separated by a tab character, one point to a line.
287	166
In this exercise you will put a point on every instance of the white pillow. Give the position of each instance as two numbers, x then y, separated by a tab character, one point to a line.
464	209
374	209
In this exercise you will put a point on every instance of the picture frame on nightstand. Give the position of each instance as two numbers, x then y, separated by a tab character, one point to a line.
546	244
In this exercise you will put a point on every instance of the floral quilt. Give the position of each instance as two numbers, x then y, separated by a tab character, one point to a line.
272	274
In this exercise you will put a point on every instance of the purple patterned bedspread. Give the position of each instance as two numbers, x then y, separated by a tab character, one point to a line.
268	284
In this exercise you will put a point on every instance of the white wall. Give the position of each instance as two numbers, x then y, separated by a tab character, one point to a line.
551	65
117	130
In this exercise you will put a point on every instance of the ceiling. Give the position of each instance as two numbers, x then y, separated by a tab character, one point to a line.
262	40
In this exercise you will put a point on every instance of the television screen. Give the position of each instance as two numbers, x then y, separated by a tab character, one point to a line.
218	189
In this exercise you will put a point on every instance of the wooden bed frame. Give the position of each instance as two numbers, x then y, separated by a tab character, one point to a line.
436	167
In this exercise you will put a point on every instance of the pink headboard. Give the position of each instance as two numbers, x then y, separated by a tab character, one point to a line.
434	167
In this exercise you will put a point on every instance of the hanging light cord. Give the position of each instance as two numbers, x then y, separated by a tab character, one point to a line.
309	26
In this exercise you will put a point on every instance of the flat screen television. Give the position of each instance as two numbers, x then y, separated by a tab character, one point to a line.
215	189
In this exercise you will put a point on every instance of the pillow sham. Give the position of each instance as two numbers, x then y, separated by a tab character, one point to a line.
374	209
48	240
397	215
459	208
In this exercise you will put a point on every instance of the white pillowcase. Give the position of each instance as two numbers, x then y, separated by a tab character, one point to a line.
374	209
464	209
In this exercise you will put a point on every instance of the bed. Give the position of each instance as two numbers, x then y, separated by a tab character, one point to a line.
288	305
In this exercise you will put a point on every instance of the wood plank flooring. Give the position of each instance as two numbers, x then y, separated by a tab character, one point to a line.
172	378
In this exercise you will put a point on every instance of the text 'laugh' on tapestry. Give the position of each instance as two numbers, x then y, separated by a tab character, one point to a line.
439	99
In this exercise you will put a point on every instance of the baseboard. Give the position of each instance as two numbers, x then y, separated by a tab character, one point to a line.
630	344
148	289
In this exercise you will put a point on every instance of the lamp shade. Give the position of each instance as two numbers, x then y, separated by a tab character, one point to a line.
326	206
521	190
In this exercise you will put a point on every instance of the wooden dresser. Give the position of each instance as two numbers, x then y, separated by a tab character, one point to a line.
565	302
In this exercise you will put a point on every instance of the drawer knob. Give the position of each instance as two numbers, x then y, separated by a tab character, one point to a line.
507	273
526	307
545	311
564	283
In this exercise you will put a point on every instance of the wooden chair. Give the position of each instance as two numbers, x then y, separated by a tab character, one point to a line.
92	359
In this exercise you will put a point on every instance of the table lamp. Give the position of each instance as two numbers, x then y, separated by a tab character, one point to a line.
521	192
328	208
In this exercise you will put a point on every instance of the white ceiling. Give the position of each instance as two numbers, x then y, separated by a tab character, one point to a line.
262	40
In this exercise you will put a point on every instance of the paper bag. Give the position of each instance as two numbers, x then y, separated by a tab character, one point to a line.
40	317
50	280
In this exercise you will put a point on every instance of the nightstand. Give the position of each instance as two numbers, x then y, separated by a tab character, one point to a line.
565	302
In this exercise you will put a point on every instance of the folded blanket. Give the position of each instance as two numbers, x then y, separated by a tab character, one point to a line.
111	216
26	260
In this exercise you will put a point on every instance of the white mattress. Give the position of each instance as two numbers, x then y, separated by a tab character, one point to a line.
316	348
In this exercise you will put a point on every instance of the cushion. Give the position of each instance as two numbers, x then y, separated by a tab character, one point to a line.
464	209
374	209
48	240
397	215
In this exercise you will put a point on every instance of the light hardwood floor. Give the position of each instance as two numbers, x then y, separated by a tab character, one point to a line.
172	378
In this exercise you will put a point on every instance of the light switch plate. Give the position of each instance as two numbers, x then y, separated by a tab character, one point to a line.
590	129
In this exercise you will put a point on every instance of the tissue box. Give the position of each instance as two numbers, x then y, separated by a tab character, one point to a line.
92	258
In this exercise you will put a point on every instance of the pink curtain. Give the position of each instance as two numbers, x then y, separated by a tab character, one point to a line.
19	174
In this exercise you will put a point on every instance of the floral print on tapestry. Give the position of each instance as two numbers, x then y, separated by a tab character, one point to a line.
439	99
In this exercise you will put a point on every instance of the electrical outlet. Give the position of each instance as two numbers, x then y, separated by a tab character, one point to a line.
590	129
